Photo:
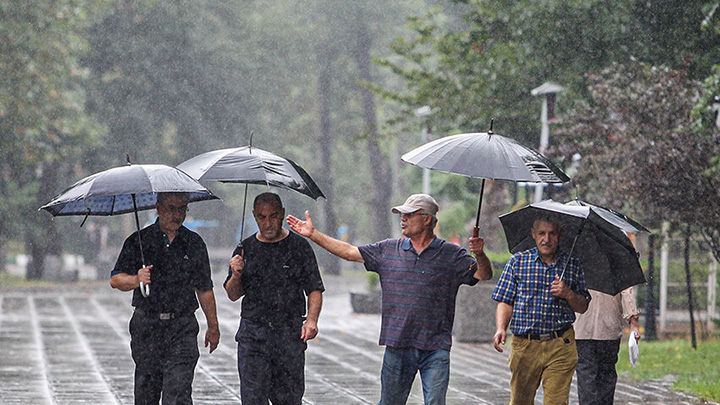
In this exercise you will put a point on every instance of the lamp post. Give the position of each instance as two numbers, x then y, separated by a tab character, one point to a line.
422	112
547	113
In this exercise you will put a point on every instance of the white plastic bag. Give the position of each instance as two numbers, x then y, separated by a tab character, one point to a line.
633	350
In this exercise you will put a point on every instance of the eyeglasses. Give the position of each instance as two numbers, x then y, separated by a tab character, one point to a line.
412	214
179	210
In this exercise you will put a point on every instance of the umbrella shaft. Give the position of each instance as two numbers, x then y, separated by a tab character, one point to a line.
572	249
137	224
477	219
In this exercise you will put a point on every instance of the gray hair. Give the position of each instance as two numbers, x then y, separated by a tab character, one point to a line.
550	218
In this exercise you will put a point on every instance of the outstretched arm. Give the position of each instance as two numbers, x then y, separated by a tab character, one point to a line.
337	247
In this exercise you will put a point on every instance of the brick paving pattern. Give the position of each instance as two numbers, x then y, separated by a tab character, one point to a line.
69	344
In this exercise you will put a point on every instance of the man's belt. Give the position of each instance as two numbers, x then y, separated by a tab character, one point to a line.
277	323
163	316
546	336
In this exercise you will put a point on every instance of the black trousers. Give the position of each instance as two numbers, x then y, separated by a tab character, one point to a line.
165	354
271	363
596	375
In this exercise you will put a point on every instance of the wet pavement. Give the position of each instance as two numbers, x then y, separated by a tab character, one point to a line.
69	344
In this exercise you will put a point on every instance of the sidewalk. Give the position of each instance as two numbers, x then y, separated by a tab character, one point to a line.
69	344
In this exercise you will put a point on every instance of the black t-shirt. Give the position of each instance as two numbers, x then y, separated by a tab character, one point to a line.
178	269
277	277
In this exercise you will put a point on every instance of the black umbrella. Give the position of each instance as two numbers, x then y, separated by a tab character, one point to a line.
608	256
485	155
124	189
250	165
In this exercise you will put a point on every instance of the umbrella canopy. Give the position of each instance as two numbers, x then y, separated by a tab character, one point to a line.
251	165
485	155
111	192
124	189
616	218
608	257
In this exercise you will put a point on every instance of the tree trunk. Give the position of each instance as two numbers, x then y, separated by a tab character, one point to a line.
42	237
382	189
650	318
330	263
688	283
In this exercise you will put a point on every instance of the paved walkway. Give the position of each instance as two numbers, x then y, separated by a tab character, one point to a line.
69	344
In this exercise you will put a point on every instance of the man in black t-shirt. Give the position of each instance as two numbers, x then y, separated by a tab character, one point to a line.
274	270
163	328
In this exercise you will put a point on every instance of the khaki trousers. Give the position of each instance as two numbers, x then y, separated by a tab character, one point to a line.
552	362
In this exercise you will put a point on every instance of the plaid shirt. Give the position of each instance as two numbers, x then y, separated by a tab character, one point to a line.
525	285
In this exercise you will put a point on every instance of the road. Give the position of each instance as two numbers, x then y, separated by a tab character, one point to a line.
69	344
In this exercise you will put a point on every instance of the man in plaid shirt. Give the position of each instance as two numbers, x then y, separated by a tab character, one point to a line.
539	306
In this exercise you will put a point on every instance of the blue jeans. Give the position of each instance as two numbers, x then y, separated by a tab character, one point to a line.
398	373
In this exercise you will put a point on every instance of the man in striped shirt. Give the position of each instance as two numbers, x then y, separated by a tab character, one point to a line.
420	275
540	305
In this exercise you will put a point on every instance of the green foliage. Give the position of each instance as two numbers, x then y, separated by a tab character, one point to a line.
638	122
694	371
44	129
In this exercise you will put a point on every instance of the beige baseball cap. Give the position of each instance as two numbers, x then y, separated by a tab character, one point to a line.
417	202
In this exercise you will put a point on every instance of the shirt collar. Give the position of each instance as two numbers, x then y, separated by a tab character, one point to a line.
155	230
559	259
406	245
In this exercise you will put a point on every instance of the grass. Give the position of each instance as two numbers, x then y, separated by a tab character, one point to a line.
8	280
696	372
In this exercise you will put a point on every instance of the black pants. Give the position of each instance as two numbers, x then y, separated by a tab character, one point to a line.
165	354
596	375
271	363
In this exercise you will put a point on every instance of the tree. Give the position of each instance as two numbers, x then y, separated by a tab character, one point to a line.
638	124
44	128
487	67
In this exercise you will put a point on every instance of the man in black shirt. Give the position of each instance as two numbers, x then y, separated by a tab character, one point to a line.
274	270
163	327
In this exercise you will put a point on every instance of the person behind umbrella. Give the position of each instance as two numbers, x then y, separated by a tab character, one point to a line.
598	332
420	275
274	270
163	328
540	308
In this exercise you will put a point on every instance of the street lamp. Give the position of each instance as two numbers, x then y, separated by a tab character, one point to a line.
422	112
547	113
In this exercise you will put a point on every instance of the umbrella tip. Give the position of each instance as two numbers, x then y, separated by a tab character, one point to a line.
251	137
127	158
492	120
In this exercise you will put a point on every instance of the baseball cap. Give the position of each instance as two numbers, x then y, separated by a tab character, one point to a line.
417	202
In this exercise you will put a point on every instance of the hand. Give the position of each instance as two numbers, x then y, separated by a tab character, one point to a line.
237	264
304	228
309	330
144	275
477	245
212	338
499	339
558	288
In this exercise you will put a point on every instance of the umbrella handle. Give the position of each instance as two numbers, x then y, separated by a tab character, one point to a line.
476	232
144	289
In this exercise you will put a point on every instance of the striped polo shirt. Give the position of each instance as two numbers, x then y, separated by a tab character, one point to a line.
418	291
